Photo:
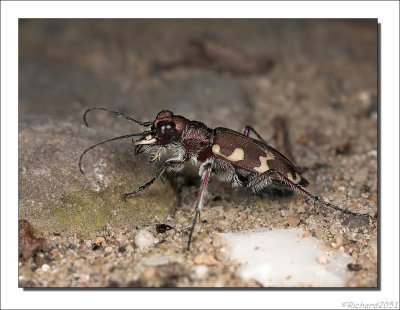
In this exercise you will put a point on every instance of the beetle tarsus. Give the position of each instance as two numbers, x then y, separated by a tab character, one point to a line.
197	214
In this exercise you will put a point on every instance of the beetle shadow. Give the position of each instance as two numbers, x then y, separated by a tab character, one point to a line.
275	191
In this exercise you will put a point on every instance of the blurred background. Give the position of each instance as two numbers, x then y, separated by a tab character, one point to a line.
222	72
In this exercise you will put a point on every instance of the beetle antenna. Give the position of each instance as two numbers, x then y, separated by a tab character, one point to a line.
112	139
119	114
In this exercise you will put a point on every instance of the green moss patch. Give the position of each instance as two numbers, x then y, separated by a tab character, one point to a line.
86	210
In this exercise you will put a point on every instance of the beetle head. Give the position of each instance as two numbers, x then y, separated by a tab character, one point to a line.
165	129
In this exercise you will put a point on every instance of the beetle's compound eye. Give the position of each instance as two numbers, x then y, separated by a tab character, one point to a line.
166	132
166	128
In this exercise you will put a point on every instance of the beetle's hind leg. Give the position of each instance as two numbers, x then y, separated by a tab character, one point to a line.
268	177
249	129
277	189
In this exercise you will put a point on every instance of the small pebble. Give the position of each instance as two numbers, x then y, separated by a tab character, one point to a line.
304	234
360	175
373	247
200	272
217	241
156	260
85	277
341	197
45	267
222	254
293	221
301	209
108	249
99	240
333	230
354	193
365	195
205	259
207	240
339	239
171	232
323	260
88	244
364	97
319	232
144	239
222	225
129	248
149	274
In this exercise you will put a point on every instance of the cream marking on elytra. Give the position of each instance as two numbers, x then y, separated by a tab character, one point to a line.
238	154
263	162
290	177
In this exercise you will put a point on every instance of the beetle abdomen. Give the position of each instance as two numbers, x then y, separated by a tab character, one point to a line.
252	155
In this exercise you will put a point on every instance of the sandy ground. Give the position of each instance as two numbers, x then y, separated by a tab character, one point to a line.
308	87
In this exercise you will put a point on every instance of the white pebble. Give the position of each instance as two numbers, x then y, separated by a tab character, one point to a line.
144	239
156	260
45	267
200	272
108	249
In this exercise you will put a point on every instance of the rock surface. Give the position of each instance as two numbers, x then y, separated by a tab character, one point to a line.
55	196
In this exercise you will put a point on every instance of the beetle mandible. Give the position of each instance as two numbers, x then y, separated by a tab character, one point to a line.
227	154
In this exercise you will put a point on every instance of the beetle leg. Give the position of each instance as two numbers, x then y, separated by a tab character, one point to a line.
249	129
265	178
172	164
205	176
137	148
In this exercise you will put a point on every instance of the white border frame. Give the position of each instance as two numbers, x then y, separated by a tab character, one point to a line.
388	15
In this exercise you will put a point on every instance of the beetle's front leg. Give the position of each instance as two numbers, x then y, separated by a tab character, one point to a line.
171	164
205	176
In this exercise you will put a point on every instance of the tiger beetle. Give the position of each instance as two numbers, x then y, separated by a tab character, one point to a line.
227	154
